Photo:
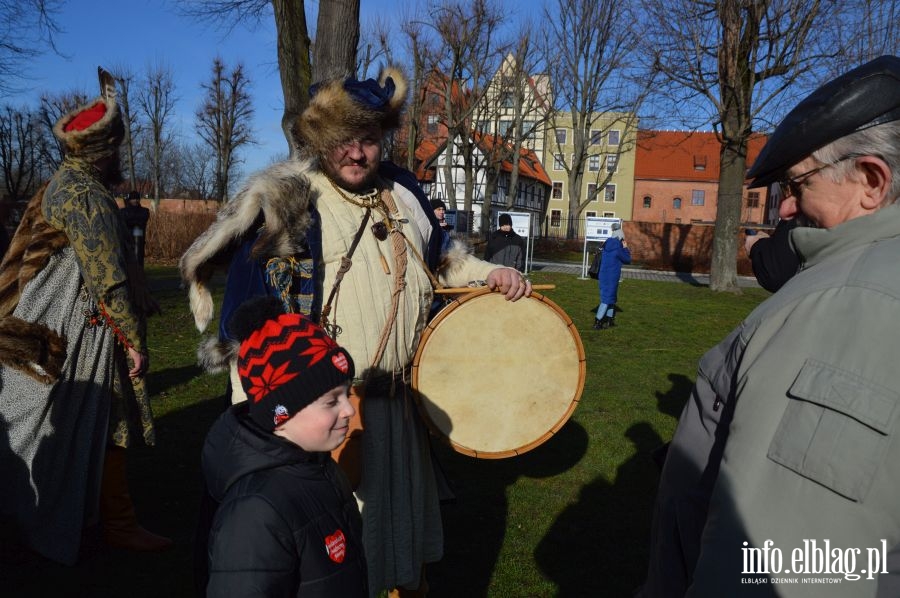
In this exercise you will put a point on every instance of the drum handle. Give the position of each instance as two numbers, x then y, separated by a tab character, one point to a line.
461	290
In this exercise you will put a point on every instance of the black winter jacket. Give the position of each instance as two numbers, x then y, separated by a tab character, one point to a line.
287	523
506	249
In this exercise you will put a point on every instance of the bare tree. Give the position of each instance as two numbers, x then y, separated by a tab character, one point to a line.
468	53
197	170
130	118
294	65
224	121
27	29
156	100
736	62
19	152
513	113
594	94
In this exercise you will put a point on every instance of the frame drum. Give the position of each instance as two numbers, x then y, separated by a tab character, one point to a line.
495	378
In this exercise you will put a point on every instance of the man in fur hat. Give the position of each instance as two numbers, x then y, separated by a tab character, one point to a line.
352	241
70	314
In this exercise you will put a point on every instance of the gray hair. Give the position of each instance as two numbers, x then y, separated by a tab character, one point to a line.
881	140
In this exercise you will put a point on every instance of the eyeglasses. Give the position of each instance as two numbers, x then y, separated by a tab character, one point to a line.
791	186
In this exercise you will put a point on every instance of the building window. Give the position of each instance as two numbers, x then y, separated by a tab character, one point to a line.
594	163
560	136
676	203
753	199
503	127
700	163
506	99
590	214
592	191
612	162
647	201
609	214
426	188
557	190
678	221
613	137
558	162
596	136
610	195
555	217
432	123
698	197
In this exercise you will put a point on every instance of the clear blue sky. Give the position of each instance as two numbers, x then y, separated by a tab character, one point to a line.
137	33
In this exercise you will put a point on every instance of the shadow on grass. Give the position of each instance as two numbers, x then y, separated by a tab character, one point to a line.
599	546
163	380
165	486
475	524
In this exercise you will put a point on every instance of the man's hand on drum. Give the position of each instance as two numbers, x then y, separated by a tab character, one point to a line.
510	282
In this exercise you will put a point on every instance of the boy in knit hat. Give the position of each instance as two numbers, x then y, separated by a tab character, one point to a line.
287	523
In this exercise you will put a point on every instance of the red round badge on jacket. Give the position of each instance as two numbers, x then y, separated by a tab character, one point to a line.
336	546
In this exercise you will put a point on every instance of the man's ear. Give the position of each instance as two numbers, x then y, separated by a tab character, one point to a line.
877	180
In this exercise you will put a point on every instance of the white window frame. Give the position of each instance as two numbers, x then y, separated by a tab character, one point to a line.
618	137
594	163
561	133
562	190
606	193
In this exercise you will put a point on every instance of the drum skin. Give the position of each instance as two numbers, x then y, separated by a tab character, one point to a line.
496	378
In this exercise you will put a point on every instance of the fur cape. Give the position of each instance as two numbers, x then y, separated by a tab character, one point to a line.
274	202
29	347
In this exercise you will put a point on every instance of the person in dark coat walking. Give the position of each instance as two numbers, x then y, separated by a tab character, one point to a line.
615	253
287	523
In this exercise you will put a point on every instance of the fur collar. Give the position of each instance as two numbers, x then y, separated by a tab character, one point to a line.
274	202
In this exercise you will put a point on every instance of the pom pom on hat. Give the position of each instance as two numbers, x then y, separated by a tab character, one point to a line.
285	361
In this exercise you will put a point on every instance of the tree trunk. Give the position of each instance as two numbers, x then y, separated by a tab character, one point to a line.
293	62
338	24
723	269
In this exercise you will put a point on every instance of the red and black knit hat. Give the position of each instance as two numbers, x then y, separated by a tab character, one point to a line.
285	361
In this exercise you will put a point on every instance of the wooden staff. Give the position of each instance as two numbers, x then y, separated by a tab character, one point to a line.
460	290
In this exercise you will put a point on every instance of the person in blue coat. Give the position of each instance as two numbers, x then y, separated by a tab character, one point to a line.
615	253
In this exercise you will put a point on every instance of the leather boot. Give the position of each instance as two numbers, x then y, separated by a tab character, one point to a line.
120	526
598	324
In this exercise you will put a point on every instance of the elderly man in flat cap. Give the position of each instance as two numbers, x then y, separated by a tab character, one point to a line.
785	467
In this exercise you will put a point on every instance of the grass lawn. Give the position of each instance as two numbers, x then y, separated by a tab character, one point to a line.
570	518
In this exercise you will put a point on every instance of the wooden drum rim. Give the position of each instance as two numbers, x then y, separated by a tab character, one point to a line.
433	326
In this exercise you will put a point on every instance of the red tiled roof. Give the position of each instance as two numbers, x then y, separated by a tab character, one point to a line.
679	155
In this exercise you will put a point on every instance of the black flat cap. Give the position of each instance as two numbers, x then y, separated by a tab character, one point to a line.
868	95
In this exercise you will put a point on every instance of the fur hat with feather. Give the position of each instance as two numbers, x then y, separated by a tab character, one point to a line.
339	109
95	130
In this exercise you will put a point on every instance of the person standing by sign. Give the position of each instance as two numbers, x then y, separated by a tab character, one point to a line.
505	246
615	253
136	217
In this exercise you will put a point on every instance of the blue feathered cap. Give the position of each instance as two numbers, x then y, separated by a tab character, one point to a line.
368	93
341	109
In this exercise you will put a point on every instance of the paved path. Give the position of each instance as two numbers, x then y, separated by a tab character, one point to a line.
639	274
